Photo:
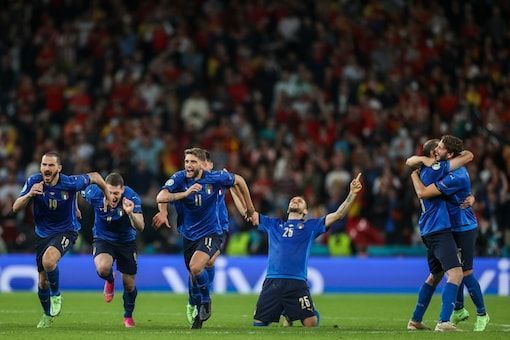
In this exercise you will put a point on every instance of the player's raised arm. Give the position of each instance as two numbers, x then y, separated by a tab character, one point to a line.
421	190
22	201
417	161
242	189
355	187
96	178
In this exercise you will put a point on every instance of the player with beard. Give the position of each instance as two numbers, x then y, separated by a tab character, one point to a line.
455	188
56	224
285	287
196	196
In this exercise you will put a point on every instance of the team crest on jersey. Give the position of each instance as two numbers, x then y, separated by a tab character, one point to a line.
120	212
64	195
208	189
436	166
300	226
109	219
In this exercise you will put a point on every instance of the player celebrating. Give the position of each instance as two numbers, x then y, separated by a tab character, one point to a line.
455	188
114	232
435	230
191	307
196	196
285	287
56	225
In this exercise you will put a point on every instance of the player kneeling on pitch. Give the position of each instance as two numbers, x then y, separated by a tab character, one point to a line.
285	289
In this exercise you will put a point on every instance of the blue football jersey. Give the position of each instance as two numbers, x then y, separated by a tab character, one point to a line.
55	209
113	224
289	245
199	212
434	216
456	185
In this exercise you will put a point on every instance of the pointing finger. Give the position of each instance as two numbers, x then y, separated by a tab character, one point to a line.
359	175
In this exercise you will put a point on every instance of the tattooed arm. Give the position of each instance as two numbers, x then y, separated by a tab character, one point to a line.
344	207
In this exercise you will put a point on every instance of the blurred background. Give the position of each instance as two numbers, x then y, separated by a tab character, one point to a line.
296	96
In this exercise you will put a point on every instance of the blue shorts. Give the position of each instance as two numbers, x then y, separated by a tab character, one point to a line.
442	252
209	244
278	295
125	254
62	241
466	241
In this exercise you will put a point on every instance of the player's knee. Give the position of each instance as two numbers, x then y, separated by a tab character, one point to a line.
455	275
434	279
311	322
103	271
49	263
195	269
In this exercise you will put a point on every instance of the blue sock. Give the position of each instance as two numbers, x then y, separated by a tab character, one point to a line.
202	282
448	301
210	272
44	297
129	302
108	277
459	302
53	278
475	292
424	297
193	293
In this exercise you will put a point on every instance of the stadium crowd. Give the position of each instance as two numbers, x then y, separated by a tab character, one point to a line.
296	96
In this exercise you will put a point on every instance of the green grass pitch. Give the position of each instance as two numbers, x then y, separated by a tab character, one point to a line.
161	316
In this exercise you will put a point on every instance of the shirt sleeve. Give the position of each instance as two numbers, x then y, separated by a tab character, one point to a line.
320	226
449	184
80	182
26	188
137	201
264	223
174	183
87	193
224	178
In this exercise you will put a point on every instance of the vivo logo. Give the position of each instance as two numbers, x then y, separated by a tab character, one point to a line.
237	278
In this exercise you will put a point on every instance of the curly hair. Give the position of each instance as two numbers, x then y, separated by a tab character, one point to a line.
453	144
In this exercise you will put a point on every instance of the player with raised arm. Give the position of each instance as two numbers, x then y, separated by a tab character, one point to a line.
455	189
115	238
285	287
56	226
196	196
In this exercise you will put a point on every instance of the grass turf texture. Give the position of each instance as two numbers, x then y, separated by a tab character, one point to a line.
162	316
